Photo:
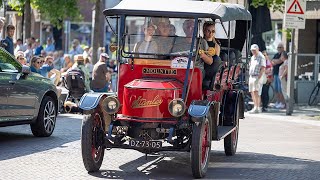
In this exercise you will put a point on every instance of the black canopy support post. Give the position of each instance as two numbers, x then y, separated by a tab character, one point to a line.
229	43
247	52
249	44
115	33
194	37
224	28
120	37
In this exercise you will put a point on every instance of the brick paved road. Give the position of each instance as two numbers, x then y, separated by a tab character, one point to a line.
268	149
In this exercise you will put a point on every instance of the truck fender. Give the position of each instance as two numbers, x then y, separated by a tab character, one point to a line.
231	100
198	109
90	101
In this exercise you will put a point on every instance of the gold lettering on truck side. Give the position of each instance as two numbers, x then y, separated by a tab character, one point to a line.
142	102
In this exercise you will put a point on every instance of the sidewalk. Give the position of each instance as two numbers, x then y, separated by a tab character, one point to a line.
302	114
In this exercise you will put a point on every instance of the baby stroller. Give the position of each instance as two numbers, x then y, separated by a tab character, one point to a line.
74	82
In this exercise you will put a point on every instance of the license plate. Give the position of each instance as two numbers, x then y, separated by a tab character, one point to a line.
145	144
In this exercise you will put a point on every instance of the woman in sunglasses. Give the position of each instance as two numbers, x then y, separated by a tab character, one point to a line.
35	64
20	57
209	36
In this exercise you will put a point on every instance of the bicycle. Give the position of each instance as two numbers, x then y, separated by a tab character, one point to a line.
315	96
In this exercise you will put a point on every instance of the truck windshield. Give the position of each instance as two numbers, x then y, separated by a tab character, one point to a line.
157	37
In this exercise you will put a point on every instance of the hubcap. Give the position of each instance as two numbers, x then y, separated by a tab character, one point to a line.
95	149
49	117
205	144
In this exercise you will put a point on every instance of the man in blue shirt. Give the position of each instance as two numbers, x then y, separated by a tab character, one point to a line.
76	48
47	66
50	46
8	42
38	49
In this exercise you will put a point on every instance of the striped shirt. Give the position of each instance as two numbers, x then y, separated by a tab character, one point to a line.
256	63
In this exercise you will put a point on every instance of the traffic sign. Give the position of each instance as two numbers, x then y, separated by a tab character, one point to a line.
294	16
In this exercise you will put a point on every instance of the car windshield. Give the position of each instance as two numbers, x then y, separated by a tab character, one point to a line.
6	67
157	37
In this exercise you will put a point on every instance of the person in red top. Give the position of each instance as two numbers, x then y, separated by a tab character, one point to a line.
265	87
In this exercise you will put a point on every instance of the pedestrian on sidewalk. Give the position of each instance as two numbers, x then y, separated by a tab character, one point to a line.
256	71
276	62
7	43
283	72
266	86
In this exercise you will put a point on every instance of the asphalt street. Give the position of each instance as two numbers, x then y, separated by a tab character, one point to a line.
269	148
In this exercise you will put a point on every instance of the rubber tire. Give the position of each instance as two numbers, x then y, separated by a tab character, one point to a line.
229	148
313	96
37	128
196	144
86	145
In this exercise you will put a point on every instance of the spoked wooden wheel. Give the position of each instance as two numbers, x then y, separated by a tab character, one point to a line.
92	144
200	147
231	141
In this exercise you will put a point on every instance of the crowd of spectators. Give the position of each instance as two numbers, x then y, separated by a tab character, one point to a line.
45	60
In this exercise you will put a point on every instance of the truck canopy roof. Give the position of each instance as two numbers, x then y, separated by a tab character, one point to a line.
180	8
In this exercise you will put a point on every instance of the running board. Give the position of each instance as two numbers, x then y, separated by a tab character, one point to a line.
224	131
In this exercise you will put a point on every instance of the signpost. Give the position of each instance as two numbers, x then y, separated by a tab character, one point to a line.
295	14
294	18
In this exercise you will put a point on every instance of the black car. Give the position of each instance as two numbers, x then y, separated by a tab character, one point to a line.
26	97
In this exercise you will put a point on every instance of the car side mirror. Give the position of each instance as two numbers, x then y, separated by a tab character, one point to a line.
26	70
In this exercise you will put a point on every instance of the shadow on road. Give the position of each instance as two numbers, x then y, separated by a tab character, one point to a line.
241	166
17	141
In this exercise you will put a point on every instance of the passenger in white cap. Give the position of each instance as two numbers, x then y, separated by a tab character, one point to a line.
101	75
148	45
256	73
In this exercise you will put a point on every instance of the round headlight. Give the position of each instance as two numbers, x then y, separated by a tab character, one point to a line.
111	104
177	107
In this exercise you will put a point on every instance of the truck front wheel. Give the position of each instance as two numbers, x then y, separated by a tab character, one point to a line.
92	141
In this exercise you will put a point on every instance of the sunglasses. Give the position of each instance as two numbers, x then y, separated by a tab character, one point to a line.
38	62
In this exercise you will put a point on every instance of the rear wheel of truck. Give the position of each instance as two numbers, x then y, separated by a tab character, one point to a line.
231	141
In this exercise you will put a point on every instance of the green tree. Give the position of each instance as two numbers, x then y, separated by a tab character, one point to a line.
97	29
54	11
275	5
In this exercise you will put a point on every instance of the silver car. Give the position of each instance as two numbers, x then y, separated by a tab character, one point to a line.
26	97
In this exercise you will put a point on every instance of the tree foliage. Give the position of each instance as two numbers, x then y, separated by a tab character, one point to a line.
54	11
275	5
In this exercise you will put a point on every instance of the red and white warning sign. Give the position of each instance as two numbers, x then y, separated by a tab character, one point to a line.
294	16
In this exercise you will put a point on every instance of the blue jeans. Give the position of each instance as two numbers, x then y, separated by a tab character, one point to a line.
277	84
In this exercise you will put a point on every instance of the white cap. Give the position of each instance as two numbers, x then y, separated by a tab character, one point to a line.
104	55
254	47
